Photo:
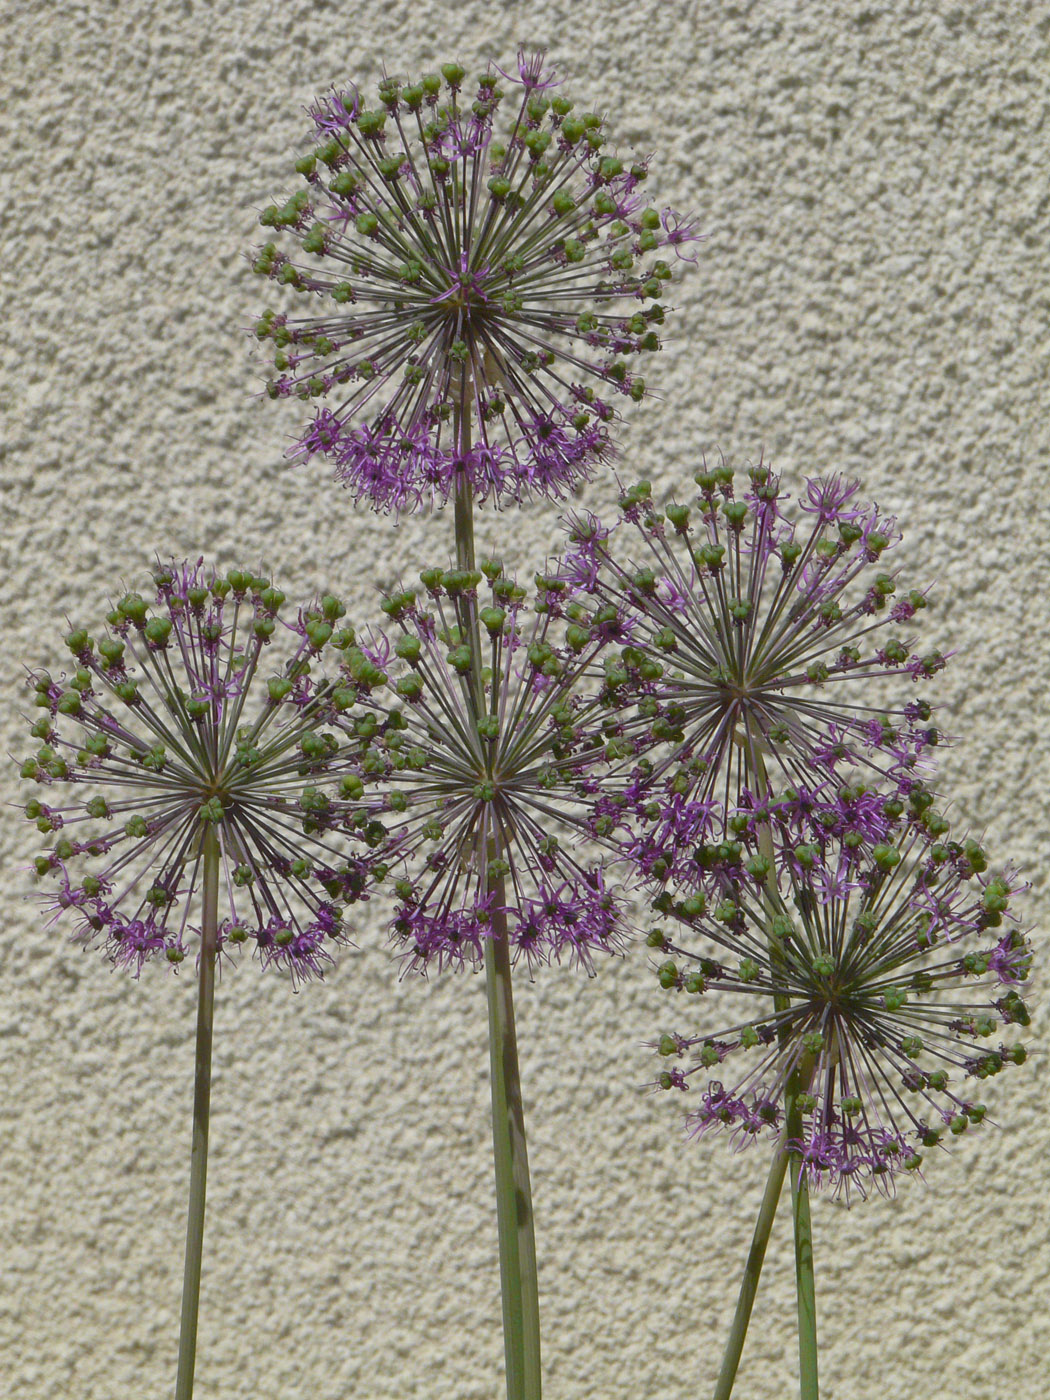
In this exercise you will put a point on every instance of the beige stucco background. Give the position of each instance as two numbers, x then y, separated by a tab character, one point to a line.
872	297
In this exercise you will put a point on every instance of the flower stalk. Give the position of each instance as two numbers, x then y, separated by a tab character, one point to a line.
191	1284
756	771
805	1288
800	1214
519	1281
805	1284
517	1239
752	1271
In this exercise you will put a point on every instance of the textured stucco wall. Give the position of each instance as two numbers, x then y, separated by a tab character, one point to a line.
872	298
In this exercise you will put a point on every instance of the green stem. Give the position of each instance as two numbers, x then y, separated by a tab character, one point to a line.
805	1287
767	1210
797	1085
752	1269
517	1240
519	1281
191	1279
464	520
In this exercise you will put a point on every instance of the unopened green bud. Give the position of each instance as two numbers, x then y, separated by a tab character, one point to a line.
885	857
318	633
133	607
668	975
158	630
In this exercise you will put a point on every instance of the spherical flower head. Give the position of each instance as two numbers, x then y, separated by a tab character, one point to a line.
198	711
755	636
480	760
881	986
482	274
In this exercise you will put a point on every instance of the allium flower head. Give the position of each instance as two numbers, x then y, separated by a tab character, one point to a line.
881	977
755	635
479	283
483	776
178	719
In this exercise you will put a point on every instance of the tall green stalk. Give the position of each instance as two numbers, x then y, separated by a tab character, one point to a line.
805	1285
804	1278
752	1269
798	1084
517	1240
519	1282
191	1279
767	1210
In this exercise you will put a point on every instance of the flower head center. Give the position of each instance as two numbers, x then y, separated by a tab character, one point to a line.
465	298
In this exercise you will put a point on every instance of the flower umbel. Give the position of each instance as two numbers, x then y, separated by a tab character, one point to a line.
176	729
877	981
486	282
752	638
483	770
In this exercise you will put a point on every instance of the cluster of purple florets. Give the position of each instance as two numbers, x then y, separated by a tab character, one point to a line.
482	280
402	470
760	631
853	948
481	783
168	726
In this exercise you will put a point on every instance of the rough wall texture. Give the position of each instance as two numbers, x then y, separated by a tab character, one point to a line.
872	298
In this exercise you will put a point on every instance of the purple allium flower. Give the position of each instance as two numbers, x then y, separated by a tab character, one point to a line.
484	776
477	288
754	637
880	977
180	718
